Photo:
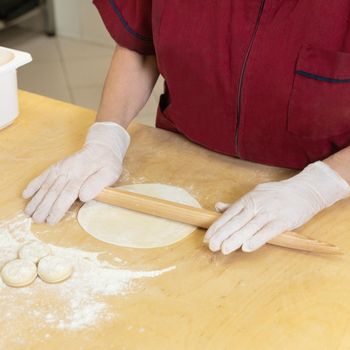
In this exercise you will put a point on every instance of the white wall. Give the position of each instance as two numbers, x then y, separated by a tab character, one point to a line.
80	19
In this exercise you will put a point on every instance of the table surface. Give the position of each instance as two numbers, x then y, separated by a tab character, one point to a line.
274	298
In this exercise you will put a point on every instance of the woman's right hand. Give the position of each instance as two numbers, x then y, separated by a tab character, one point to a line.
83	175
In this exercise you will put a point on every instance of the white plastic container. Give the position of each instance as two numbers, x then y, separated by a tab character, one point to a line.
10	60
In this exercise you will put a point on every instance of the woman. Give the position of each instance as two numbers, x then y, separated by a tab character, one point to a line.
266	81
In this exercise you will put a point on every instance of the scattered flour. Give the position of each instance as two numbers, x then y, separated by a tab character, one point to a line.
81	298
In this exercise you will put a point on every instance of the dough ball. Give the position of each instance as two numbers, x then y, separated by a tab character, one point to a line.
54	269
19	273
34	251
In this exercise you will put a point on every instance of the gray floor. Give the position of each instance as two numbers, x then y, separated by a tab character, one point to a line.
67	69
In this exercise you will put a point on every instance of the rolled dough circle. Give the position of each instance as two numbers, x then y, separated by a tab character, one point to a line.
19	273
127	228
54	269
34	251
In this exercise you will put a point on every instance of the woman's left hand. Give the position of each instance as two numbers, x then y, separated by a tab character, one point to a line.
275	207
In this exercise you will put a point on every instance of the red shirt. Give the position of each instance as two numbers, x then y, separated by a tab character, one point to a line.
264	80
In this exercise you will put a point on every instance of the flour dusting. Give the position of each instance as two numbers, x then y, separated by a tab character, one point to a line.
81	299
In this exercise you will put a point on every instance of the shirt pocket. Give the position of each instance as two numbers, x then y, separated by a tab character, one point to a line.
319	105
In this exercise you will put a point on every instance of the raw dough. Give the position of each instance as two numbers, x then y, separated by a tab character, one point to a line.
19	273
54	269
128	228
34	251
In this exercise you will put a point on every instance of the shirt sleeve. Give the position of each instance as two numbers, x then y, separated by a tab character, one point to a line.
129	22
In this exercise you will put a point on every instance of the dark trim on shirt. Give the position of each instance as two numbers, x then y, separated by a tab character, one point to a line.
125	23
321	78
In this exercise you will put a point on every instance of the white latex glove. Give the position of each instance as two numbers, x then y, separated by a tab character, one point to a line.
275	207
84	174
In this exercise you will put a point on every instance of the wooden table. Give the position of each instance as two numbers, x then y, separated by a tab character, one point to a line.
272	299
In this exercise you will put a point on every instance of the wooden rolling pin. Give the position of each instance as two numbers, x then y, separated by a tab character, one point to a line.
201	217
